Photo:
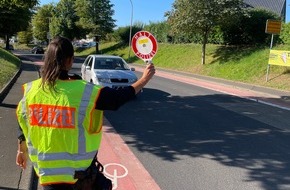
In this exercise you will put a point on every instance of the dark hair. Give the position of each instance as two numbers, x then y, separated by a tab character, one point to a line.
59	50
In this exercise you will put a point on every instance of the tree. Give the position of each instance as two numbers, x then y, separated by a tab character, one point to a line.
41	20
24	37
95	16
64	21
190	17
159	29
19	3
15	16
249	28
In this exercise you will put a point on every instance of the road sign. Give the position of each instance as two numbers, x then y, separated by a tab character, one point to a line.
273	26
144	45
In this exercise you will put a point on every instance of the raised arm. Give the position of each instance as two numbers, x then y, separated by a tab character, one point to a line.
147	75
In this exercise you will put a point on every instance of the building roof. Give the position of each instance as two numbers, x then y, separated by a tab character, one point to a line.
276	6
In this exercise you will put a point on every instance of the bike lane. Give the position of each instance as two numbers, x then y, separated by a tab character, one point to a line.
120	164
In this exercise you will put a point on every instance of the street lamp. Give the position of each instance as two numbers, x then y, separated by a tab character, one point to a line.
97	40
130	35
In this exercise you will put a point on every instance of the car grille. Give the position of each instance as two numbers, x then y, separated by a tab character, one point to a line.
119	80
118	87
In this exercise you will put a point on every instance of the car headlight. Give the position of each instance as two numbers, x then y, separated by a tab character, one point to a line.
104	80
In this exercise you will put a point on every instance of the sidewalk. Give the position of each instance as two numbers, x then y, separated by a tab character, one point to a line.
9	171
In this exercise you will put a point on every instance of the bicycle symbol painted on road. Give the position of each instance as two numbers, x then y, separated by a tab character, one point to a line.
114	171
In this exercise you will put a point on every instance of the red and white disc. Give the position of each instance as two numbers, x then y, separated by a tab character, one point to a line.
144	45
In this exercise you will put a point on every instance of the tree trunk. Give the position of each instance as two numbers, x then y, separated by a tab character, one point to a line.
7	41
204	42
203	53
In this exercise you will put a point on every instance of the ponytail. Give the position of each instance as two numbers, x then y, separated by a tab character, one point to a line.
58	52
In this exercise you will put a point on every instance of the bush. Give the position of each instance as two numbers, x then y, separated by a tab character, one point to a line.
248	29
122	33
285	34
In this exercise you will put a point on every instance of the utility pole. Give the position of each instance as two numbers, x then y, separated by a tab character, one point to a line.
130	35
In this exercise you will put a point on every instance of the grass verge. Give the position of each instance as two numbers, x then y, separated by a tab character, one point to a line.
9	66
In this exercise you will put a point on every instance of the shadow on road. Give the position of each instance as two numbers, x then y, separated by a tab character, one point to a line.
171	126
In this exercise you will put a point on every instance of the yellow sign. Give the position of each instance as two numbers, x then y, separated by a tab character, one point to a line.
279	57
273	26
144	41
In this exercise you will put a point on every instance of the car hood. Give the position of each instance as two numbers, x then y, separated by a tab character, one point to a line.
119	74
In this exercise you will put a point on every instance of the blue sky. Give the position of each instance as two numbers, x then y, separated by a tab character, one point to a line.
287	10
145	10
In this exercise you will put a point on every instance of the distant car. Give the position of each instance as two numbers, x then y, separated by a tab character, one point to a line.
10	47
37	50
108	70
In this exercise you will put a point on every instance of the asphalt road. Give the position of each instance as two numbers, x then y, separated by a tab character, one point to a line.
187	137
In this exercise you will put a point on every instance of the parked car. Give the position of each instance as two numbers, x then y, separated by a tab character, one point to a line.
37	50
108	70
11	47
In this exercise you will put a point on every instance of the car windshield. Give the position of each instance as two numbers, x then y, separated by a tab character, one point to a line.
110	64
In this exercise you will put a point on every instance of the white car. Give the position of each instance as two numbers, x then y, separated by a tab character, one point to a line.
108	70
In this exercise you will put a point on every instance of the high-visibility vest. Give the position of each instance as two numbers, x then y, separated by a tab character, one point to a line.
62	128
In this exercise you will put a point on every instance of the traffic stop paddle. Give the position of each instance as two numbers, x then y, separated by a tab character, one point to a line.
144	46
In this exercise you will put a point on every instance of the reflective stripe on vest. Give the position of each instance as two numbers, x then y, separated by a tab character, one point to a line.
24	112
81	117
47	164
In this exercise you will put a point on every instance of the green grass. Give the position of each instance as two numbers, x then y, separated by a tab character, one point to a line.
243	64
9	65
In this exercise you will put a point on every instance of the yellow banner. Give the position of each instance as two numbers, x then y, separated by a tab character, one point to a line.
279	57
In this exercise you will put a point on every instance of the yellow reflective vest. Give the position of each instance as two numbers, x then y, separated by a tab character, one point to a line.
62	128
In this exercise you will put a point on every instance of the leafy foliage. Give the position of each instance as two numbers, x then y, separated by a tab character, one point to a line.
11	4
95	16
41	21
24	37
191	17
15	16
64	20
248	29
285	34
122	33
160	30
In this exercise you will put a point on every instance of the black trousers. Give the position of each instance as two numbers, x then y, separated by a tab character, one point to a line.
62	186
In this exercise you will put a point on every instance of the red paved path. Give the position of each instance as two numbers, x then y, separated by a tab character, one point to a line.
114	151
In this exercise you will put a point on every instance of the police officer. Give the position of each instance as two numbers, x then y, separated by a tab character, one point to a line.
61	116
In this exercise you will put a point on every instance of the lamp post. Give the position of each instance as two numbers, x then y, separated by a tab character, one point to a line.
97	40
130	35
